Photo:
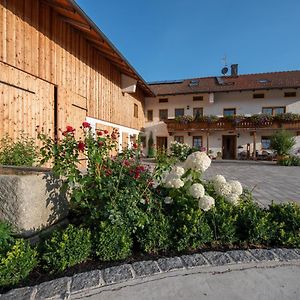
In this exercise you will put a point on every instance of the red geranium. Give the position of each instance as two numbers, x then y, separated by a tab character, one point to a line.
81	146
99	133
86	125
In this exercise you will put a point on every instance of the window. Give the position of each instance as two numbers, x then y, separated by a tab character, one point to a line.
257	96
273	110
265	142
179	139
136	111
179	112
290	94
197	142
198	98
150	115
163	114
163	100
229	112
197	112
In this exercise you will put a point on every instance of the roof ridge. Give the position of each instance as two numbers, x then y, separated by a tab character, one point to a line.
208	77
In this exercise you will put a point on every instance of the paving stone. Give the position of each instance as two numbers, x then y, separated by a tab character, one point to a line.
23	293
217	258
194	260
263	254
117	274
297	250
171	263
144	268
86	280
57	288
286	254
241	256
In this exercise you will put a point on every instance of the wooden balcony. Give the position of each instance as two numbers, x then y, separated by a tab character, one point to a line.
227	124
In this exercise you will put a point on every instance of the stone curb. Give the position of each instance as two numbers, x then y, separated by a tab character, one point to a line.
63	288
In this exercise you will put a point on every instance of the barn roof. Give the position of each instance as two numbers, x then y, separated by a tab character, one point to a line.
76	17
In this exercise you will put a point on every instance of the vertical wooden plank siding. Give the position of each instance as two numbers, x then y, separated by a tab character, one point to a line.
35	39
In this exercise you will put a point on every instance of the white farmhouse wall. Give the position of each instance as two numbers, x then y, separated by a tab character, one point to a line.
243	102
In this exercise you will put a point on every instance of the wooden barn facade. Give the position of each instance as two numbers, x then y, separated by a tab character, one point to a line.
57	68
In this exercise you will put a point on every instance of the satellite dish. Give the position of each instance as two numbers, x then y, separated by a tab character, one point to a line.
224	70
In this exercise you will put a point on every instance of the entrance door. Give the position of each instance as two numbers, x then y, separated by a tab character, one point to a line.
161	142
229	146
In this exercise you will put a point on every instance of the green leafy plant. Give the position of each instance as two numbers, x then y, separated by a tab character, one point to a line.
17	263
21	152
287	218
156	234
6	237
112	242
180	150
222	219
282	141
151	150
66	248
191	229
289	161
254	224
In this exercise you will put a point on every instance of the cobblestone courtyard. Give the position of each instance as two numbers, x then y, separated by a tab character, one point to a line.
267	180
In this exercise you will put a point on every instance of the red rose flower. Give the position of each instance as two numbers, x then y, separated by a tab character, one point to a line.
105	131
69	129
81	146
86	125
99	133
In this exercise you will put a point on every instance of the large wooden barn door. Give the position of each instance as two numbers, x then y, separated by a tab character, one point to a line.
26	102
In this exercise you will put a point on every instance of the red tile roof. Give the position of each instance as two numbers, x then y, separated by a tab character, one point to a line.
260	81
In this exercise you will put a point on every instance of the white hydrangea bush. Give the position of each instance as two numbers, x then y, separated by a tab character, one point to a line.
180	150
231	190
196	190
197	161
182	179
206	202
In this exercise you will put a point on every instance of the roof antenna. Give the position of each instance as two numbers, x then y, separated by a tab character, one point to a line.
224	69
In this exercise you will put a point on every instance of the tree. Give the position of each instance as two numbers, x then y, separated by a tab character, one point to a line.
150	146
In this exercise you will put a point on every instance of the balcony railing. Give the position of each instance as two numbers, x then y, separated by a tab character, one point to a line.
226	124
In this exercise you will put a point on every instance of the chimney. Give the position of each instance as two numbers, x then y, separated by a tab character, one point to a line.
234	70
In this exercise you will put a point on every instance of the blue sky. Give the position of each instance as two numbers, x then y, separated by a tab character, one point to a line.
176	39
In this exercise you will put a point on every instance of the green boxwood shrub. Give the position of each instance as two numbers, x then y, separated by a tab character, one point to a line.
112	242
222	219
156	235
287	218
254	224
66	248
191	229
17	263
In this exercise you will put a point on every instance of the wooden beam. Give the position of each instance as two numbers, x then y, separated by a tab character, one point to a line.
77	24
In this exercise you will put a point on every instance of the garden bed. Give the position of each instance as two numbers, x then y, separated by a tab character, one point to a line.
122	212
